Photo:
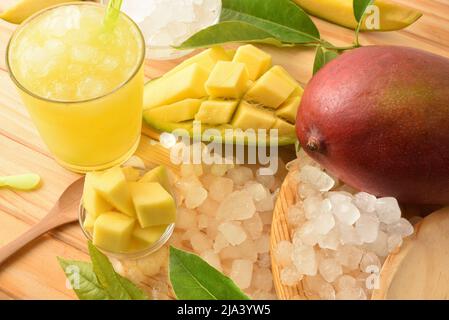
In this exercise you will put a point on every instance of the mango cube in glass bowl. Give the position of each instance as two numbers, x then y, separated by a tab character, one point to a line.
109	199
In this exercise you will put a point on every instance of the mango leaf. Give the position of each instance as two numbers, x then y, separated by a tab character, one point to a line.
226	32
83	280
360	7
283	19
194	279
322	57
135	292
106	275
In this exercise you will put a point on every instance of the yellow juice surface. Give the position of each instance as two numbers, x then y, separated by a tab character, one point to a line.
82	84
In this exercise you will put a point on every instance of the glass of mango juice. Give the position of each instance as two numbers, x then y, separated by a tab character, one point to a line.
82	83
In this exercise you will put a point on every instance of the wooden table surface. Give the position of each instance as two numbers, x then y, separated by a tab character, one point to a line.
34	273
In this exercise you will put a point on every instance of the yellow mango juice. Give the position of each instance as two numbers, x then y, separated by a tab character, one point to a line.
81	83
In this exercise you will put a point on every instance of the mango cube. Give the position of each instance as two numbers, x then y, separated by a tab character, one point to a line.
249	116
257	62
216	111
227	80
147	236
206	59
113	231
131	173
176	112
92	200
284	74
289	109
187	83
283	127
112	186
160	175
154	205
271	90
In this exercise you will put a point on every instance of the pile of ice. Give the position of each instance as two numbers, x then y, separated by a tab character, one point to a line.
224	216
340	237
167	23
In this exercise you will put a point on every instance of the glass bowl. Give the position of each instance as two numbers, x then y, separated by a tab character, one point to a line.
181	29
127	255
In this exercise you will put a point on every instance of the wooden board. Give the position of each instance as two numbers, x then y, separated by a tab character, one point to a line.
34	273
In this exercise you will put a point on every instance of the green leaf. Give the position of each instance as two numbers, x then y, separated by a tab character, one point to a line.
283	19
83	280
106	275
135	292
226	32
360	7
194	279
322	57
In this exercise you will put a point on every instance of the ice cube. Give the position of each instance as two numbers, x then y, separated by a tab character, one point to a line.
208	207
388	210
264	260
365	201
323	223
355	293
295	216
312	206
240	175
330	269
308	234
220	243
203	221
367	227
262	279
345	282
380	246
318	179
253	226
306	190
186	219
348	235
401	227
239	205
213	259
345	212
317	288
220	170
262	244
84	53
233	232
242	273
268	181
90	87
195	196
369	261
394	242
349	256
189	169
283	253
266	204
220	188
257	191
290	276
200	242
331	240
304	259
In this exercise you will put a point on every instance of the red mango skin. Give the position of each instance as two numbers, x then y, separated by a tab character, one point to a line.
378	118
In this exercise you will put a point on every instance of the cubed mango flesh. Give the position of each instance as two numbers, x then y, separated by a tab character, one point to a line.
289	109
249	116
206	59
270	90
176	112
216	111
92	200
284	74
131	173
227	80
187	83
283	127
154	205
113	231
257	62
112	186
147	236
160	175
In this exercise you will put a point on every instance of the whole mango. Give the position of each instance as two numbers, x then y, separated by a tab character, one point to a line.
378	118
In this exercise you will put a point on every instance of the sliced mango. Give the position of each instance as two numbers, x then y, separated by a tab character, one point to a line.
270	90
157	209
145	237
206	59
216	111
230	53
284	74
176	112
227	80
257	62
160	175
187	83
284	128
113	231
249	116
92	201
113	187
289	109
16	11
393	16
131	174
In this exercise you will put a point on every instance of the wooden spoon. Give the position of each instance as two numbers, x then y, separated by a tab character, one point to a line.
64	211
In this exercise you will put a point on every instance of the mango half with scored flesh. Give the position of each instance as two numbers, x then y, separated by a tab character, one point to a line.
219	93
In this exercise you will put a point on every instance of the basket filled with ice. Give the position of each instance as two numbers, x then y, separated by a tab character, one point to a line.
168	23
329	241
